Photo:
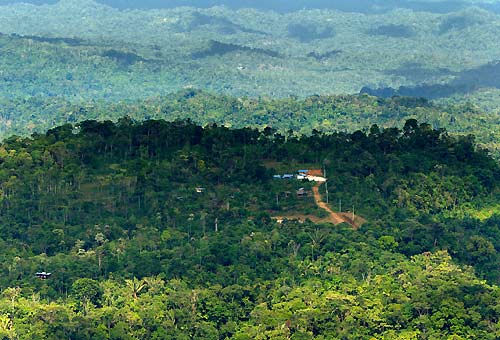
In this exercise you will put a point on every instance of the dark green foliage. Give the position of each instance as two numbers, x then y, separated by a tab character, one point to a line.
167	229
86	290
136	253
325	114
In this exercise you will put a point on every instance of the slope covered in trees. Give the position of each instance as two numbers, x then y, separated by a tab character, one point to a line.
76	49
78	60
325	114
163	230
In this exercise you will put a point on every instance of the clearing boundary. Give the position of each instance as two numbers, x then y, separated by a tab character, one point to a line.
333	217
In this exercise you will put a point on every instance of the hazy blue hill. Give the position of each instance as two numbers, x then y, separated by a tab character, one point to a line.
361	6
244	51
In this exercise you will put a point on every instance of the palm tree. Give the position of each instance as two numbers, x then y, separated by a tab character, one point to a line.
135	286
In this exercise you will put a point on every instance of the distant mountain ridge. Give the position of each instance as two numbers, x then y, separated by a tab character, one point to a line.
243	52
361	6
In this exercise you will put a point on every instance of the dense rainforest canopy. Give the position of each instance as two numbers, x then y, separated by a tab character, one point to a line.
326	114
136	251
76	60
153	180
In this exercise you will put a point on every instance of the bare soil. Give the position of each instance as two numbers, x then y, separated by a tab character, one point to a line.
333	217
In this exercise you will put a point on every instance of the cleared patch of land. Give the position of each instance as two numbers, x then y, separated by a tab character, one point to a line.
332	217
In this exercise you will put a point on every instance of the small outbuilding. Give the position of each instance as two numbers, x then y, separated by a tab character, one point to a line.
302	192
43	275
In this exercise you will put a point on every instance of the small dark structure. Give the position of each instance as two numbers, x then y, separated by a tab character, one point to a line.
302	192
43	275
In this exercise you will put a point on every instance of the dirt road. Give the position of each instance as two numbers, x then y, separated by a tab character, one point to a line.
333	217
336	218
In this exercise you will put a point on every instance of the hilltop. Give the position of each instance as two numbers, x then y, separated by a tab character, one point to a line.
177	218
361	6
326	114
302	170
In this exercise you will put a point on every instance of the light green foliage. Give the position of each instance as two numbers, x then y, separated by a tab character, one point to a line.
112	211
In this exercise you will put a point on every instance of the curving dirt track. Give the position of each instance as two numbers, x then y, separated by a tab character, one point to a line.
336	218
333	217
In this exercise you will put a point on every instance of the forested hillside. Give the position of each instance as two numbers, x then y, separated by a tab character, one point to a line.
244	170
165	231
326	114
87	49
76	60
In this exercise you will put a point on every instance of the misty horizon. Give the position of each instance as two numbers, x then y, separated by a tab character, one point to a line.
361	6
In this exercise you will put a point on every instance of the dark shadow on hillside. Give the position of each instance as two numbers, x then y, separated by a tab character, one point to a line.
322	56
217	48
458	23
416	73
467	81
124	58
67	41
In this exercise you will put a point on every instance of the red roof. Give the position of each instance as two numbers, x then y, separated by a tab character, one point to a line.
315	173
